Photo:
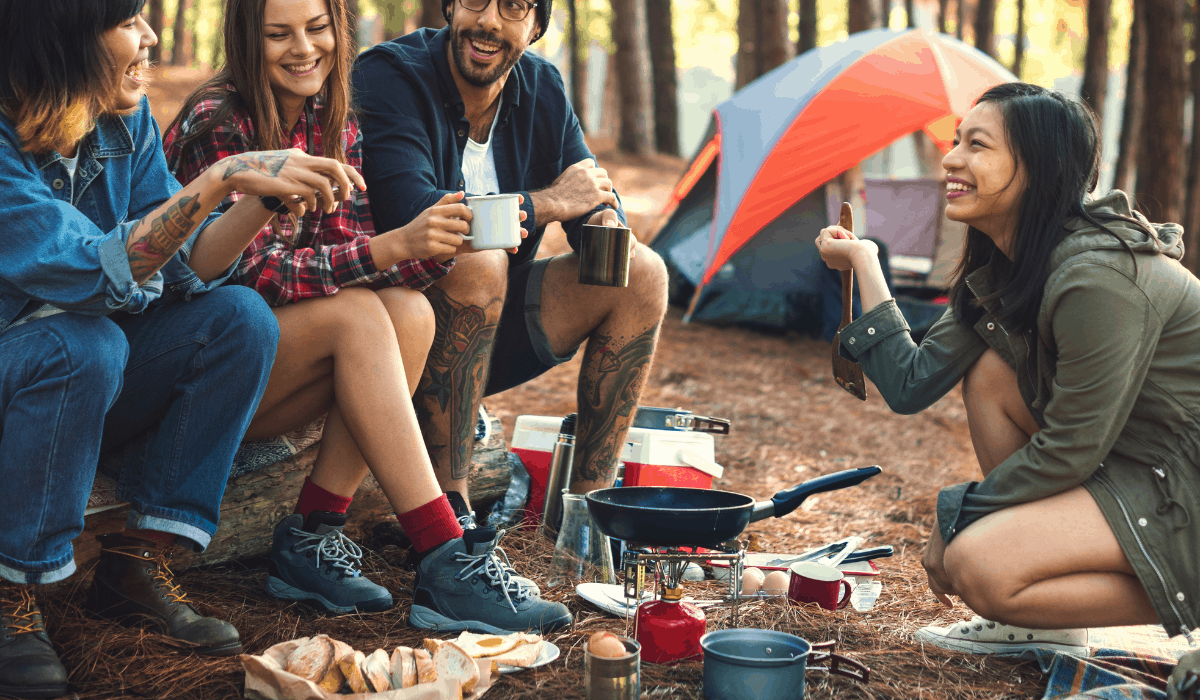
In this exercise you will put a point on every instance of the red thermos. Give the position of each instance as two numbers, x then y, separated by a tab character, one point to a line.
669	629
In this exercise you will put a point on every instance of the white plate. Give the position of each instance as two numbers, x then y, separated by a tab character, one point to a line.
548	653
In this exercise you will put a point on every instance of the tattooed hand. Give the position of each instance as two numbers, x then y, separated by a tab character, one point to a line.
305	183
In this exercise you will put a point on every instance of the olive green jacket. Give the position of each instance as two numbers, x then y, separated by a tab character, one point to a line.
1112	376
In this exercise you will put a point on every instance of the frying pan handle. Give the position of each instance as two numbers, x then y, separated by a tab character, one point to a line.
788	500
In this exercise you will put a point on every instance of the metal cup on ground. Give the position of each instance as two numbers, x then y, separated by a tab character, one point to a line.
604	255
614	679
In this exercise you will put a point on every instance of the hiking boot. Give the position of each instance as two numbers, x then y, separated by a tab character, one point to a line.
312	560
1184	683
460	586
980	636
466	520
134	585
29	668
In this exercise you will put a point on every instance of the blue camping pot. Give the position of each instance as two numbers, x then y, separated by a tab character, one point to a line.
754	664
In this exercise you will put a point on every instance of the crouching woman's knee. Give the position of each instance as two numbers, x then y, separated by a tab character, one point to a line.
981	588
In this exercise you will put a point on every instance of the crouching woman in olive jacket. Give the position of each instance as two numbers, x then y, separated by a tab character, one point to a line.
1075	332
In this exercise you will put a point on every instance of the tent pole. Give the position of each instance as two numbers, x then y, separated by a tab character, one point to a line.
687	316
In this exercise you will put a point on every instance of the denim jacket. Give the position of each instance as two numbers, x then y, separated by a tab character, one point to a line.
65	246
415	130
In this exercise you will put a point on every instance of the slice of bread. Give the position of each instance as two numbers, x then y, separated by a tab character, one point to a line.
312	659
376	668
425	670
450	662
334	678
523	655
431	645
351	666
403	668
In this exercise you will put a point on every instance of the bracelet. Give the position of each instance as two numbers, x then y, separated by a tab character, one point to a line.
274	204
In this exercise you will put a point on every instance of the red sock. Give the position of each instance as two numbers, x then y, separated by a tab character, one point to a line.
313	497
430	525
162	539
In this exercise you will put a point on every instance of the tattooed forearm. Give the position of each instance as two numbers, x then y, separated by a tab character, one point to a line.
268	164
153	242
455	377
610	385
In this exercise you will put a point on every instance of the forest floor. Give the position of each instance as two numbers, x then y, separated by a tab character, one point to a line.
790	422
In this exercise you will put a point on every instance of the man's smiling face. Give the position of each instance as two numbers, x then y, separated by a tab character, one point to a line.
484	44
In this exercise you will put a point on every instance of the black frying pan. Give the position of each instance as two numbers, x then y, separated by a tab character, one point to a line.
667	516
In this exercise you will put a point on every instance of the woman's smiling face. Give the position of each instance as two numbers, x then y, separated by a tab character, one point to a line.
984	180
299	47
128	45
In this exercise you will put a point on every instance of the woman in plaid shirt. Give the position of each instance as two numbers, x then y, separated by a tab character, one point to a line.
354	326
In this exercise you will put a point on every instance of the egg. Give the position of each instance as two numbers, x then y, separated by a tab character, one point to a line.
606	644
752	580
775	583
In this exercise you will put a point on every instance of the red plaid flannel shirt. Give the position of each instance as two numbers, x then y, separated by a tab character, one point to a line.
334	252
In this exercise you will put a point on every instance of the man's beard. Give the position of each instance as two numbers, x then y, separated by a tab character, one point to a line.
462	59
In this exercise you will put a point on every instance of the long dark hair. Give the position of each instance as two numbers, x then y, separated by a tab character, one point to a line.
1054	137
245	70
56	76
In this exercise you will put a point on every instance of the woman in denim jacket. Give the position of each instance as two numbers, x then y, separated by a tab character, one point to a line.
113	324
1074	330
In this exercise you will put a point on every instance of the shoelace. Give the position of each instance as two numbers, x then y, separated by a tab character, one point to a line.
337	550
467	522
162	573
21	611
493	570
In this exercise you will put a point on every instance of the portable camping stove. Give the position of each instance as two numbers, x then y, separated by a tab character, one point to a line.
667	565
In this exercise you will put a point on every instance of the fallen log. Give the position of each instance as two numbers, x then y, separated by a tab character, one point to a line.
256	501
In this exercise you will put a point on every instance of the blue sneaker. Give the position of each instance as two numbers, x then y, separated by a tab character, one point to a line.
460	587
311	560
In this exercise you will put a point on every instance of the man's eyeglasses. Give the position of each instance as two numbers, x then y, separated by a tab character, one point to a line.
511	10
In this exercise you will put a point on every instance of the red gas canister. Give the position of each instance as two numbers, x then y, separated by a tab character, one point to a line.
669	629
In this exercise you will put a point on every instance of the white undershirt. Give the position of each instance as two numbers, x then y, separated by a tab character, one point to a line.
479	162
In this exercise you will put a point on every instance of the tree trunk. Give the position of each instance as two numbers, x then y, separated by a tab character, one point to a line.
352	20
808	26
960	18
633	70
943	5
154	17
1134	110
577	64
861	15
662	61
985	23
1095	61
1191	218
746	68
1019	42
182	50
1160	159
774	47
910	13
431	14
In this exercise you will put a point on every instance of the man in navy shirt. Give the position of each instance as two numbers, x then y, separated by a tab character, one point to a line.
466	108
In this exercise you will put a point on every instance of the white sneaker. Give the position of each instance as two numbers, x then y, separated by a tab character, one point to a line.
980	636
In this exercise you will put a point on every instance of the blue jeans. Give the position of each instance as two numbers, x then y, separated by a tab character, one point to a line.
189	374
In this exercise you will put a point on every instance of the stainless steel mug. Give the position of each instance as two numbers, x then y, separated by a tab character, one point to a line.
604	255
614	679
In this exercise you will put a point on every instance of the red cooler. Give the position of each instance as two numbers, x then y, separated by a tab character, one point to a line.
652	457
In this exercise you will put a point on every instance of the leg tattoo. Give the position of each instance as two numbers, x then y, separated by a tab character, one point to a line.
455	376
610	385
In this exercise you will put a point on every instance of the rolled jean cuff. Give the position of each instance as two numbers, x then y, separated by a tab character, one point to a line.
26	574
197	538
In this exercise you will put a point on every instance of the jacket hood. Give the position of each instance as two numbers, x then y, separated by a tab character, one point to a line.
1121	235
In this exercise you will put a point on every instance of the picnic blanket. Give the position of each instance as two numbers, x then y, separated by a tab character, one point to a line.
1126	663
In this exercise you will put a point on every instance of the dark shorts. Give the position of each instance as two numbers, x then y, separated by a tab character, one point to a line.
522	351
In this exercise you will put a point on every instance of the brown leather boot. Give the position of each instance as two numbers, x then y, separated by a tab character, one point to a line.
29	668
134	585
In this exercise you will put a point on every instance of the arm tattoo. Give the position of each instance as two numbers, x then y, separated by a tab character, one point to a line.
150	250
268	164
454	380
610	385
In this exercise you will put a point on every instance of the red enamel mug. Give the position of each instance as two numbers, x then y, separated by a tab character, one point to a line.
817	583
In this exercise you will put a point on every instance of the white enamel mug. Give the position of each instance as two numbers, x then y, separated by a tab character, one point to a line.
495	222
